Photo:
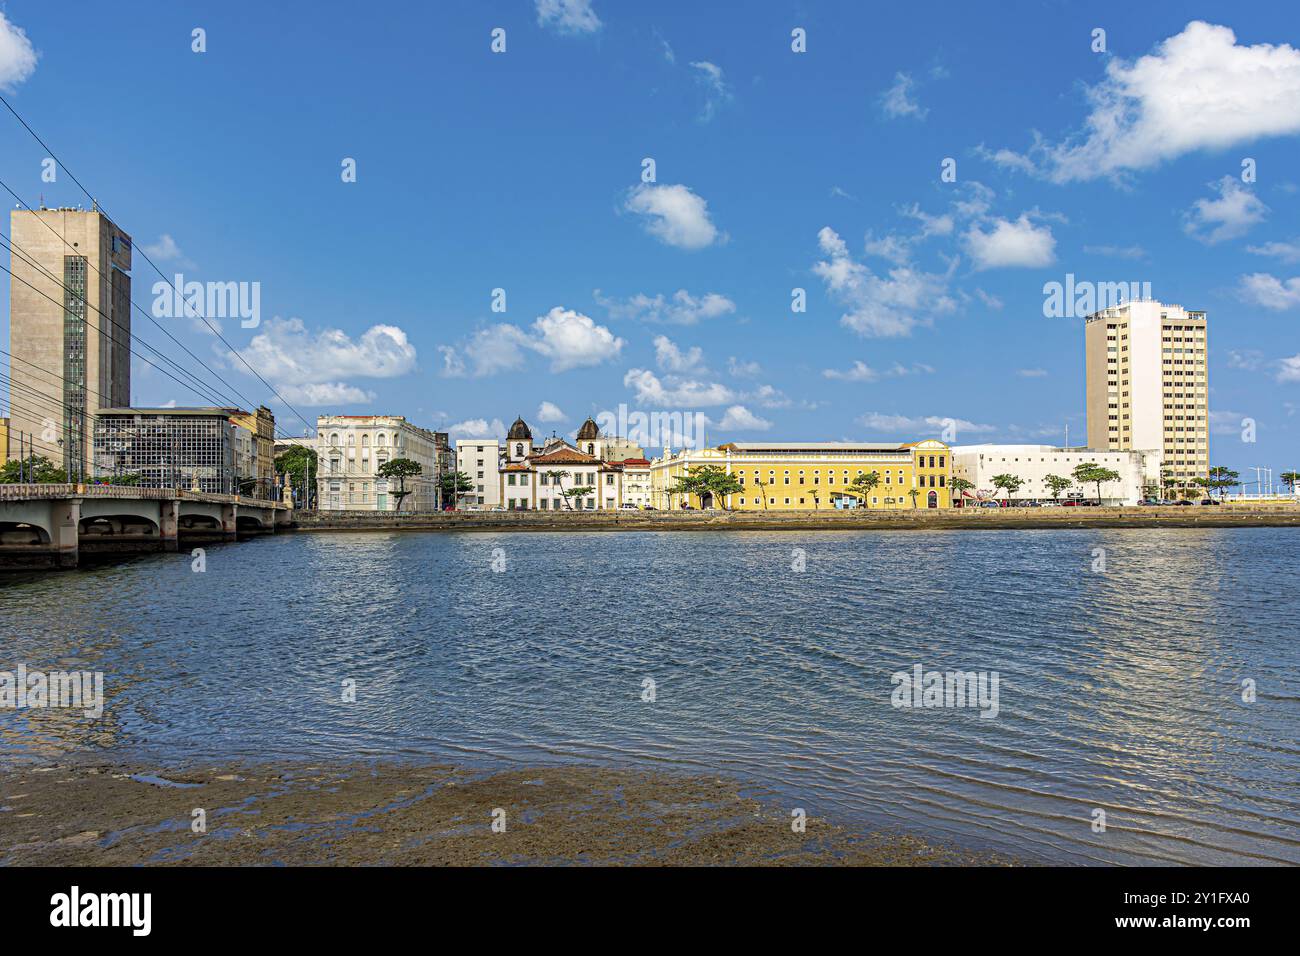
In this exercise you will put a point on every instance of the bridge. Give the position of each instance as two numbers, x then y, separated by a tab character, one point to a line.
51	526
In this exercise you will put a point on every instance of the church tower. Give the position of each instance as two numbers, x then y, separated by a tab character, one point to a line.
519	442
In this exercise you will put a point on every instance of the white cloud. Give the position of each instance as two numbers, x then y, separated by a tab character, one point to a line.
568	338
685	393
898	101
895	424
673	359
325	393
1249	360
1289	369
17	56
1117	252
166	250
1199	90
1230	216
879	306
739	368
674	215
1271	292
740	418
1010	244
309	368
1288	252
477	428
568	16
550	412
717	93
1032	372
572	340
682	309
859	372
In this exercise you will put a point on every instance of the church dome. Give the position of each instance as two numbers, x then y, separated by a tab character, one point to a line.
588	431
519	431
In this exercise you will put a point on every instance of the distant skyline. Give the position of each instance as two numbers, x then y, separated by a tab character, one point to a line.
504	249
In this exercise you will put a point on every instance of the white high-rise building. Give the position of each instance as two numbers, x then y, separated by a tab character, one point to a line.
479	459
1147	385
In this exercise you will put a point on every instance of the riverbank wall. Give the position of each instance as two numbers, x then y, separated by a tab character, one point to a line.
1196	516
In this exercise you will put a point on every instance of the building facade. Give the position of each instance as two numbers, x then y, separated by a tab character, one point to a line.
259	480
187	448
351	450
69	329
636	482
810	476
1139	472
1147	385
480	460
545	479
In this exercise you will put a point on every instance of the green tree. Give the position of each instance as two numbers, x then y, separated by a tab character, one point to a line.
1221	478
864	485
301	465
914	493
453	485
1057	483
1289	479
35	470
557	479
714	480
1010	483
580	493
1091	473
401	469
959	486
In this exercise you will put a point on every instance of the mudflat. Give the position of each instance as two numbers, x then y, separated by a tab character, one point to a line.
420	815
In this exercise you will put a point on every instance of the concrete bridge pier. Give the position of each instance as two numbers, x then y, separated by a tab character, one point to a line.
66	518
168	524
229	522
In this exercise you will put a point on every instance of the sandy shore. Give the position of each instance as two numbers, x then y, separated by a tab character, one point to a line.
426	815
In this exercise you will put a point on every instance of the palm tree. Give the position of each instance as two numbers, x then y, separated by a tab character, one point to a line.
762	487
913	493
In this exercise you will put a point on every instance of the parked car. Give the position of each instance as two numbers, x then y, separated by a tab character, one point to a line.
628	506
1150	502
1030	504
1090	503
989	504
650	508
1184	503
1211	501
1049	504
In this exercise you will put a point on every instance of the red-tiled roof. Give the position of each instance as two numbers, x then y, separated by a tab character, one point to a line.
563	456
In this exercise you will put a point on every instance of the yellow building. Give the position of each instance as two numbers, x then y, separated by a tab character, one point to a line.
262	424
810	476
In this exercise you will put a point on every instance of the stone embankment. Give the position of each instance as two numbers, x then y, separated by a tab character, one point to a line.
1196	516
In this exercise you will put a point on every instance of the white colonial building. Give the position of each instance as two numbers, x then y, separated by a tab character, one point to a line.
636	482
352	448
538	478
1139	471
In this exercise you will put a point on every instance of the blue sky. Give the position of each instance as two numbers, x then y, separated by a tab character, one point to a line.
774	171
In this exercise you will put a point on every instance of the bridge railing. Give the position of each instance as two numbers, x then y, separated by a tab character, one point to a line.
45	492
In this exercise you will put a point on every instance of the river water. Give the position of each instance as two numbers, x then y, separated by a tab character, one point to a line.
1123	659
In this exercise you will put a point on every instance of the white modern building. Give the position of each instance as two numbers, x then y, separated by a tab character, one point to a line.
352	448
479	459
1147	387
1139	471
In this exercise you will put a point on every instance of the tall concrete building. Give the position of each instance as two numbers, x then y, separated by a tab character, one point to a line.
69	329
1147	385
